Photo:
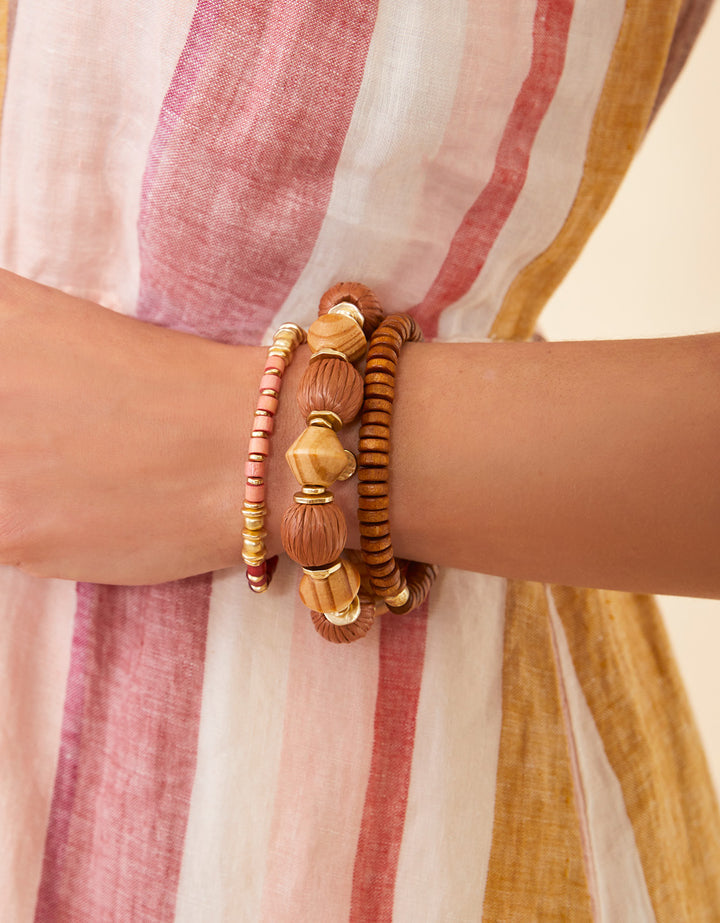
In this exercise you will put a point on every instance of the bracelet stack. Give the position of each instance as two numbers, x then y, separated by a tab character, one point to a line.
343	595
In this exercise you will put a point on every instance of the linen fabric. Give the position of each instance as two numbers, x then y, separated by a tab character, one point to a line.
194	752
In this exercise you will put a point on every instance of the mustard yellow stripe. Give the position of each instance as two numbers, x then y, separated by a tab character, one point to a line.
536	869
626	103
629	678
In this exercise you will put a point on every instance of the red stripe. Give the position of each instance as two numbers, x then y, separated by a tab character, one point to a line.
121	799
486	217
240	189
402	654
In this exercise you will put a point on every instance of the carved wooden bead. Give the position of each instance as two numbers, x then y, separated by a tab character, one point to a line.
313	535
332	593
331	384
317	456
338	332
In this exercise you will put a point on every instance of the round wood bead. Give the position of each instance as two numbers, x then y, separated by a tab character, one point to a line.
317	456
313	535
337	332
332	593
330	383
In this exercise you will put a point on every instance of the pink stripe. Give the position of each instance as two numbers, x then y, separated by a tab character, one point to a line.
122	792
486	217
327	741
237	196
402	654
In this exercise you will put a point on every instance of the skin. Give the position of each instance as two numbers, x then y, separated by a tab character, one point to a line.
122	448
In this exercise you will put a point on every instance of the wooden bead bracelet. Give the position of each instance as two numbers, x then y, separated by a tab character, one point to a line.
330	395
258	569
403	586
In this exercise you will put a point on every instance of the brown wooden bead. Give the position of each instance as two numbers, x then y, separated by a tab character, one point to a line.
374	459
383	356
373	444
374	389
386	568
377	403
379	558
374	529
377	544
389	585
317	456
330	383
370	489
378	417
332	593
374	431
379	377
337	332
374	475
372	516
344	634
313	535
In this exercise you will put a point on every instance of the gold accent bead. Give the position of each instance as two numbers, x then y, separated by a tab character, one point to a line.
254	507
254	536
349	310
313	496
254	524
256	457
269	392
350	466
346	616
259	587
322	573
327	351
327	418
399	600
252	559
258	434
263	413
255	482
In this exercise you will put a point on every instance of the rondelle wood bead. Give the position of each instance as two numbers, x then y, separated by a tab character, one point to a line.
338	332
318	457
313	535
334	590
331	384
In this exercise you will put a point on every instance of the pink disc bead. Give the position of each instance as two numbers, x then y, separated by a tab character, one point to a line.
254	493
263	423
271	381
259	446
275	362
254	469
265	402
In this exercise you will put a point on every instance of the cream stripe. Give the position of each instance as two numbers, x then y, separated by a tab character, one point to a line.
616	876
70	192
420	146
553	178
449	820
239	745
324	767
36	624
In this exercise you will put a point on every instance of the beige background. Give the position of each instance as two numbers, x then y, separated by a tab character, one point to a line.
653	269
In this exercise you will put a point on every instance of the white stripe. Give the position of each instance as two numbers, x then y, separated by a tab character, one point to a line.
447	839
239	745
36	625
84	92
440	79
554	173
615	875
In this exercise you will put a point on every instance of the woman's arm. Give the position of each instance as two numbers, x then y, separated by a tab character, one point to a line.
122	448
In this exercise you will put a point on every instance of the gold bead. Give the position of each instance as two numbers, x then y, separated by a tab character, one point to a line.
327	418
349	310
327	351
313	496
399	600
254	524
269	392
254	536
254	507
258	434
350	466
259	587
256	457
322	573
253	560
255	482
346	616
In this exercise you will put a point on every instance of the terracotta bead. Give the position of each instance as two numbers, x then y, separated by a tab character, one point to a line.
331	384
359	295
338	332
313	535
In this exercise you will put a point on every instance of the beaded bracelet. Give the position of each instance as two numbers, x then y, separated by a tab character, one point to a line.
403	586
330	396
258	569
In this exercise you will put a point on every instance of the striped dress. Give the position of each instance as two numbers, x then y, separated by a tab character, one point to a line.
191	752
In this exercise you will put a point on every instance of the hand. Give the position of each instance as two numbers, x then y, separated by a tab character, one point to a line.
121	443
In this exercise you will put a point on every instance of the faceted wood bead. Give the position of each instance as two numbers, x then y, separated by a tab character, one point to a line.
330	383
313	535
317	456
332	593
338	332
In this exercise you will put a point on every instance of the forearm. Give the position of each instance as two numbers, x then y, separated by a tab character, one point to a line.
593	464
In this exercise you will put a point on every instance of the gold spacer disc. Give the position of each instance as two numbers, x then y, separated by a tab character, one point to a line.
399	600
346	616
349	310
350	468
